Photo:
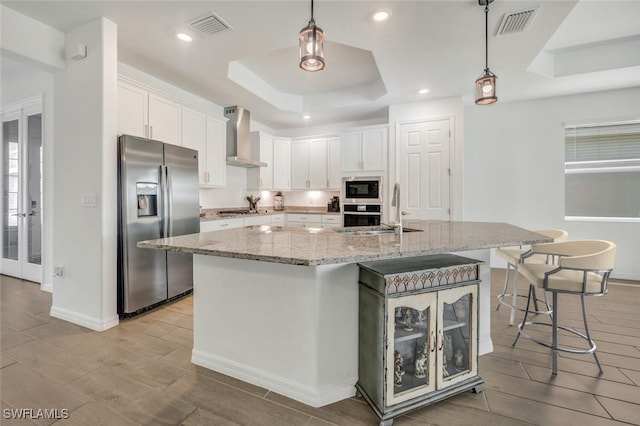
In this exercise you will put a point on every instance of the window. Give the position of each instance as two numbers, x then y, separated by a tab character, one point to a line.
602	171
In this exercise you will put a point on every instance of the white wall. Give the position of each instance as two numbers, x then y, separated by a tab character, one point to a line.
85	163
514	166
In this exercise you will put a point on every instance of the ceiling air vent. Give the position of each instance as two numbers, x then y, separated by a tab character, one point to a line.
209	24
516	22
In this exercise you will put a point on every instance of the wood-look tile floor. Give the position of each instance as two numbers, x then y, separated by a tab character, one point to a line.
139	373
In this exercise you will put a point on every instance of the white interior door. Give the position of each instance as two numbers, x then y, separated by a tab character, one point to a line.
425	169
22	198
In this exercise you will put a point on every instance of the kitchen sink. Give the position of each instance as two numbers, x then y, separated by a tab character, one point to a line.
372	231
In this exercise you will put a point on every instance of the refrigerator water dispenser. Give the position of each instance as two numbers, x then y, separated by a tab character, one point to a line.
147	194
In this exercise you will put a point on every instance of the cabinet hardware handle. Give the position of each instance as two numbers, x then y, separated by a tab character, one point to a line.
223	225
150	132
440	339
432	341
146	130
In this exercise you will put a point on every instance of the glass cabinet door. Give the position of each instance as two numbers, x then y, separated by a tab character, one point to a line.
457	319
411	347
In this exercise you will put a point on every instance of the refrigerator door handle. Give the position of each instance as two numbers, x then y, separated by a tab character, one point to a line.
169	213
165	202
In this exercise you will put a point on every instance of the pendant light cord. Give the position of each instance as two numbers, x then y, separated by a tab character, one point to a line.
486	35
312	10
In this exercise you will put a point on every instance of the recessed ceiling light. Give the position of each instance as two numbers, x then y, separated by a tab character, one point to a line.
423	91
184	37
306	116
380	15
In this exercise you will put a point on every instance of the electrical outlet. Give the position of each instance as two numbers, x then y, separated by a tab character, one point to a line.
89	199
58	271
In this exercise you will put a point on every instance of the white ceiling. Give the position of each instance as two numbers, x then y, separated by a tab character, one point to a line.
569	47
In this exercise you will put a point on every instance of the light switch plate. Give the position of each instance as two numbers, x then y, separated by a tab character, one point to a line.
89	199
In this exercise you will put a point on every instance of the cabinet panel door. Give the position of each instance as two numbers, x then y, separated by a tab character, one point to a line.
333	163
299	165
457	332
412	351
266	156
318	164
350	152
281	164
132	110
216	157
374	143
164	119
194	136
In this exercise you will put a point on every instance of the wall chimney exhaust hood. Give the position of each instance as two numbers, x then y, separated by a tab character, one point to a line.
239	138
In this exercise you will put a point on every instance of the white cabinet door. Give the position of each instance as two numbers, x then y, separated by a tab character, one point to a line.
281	164
331	220
261	178
333	163
277	219
217	225
216	152
132	110
164	119
374	147
194	136
300	165
350	152
262	219
317	164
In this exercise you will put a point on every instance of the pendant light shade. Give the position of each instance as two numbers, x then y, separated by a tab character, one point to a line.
486	83
311	47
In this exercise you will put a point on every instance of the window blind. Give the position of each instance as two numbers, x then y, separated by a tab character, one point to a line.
603	142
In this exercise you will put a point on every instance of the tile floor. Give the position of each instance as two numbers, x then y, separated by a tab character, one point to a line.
139	373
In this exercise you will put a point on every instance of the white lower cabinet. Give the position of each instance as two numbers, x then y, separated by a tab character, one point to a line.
262	219
277	219
304	220
216	225
331	220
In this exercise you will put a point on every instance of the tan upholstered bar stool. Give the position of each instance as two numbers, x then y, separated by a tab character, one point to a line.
583	269
513	257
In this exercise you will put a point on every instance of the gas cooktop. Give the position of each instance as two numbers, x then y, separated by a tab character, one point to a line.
237	211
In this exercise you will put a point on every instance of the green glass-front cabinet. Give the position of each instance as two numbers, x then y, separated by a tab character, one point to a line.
418	340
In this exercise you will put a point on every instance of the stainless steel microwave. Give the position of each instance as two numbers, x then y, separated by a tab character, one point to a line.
361	190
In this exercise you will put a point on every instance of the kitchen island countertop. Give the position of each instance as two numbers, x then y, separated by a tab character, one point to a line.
314	246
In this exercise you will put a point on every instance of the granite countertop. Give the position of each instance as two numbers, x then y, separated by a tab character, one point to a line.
214	214
313	246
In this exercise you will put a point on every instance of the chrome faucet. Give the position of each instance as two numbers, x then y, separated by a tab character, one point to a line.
395	202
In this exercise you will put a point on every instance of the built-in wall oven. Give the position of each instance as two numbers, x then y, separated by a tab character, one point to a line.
361	201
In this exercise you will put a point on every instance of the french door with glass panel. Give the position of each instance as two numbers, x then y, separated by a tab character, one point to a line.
21	204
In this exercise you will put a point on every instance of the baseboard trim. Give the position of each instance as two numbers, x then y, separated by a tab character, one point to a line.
84	320
314	397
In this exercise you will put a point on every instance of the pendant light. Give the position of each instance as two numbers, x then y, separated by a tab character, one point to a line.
486	83
311	46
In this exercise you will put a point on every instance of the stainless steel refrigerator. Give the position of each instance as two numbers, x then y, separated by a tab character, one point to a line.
157	197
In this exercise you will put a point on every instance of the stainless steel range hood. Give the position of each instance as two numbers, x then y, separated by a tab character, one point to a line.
239	138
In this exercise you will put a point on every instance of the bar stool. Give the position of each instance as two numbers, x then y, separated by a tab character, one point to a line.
513	257
583	269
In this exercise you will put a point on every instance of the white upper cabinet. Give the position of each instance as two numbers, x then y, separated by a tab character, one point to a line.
261	178
194	136
147	114
164	119
216	152
281	164
333	163
133	109
309	164
364	150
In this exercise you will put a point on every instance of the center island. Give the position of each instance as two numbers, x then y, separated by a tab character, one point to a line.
278	306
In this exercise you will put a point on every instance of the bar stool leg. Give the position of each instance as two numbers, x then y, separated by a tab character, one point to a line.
586	328
515	294
554	334
526	313
504	288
